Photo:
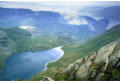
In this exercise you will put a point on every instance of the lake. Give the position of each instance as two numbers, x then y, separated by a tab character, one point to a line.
25	65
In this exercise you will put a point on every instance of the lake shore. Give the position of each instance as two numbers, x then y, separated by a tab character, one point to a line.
61	55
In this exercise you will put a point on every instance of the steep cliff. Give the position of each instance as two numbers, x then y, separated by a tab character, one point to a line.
101	65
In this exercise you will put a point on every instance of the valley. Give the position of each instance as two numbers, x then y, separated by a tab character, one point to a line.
72	52
17	40
59	42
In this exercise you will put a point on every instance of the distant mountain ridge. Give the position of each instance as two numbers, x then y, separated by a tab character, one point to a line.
52	30
47	22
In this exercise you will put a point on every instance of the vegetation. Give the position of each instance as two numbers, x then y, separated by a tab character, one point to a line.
60	77
111	73
18	40
76	51
15	40
25	42
95	66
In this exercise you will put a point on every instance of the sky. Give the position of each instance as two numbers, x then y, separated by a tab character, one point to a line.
61	6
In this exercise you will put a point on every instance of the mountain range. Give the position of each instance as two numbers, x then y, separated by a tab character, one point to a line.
26	30
82	51
48	22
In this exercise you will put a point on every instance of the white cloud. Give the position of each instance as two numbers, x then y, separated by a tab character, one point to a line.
69	10
77	21
91	27
98	18
81	21
73	18
112	23
26	27
61	6
74	21
68	16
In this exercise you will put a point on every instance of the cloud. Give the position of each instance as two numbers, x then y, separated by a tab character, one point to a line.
61	6
98	18
69	10
77	21
91	27
74	18
26	27
112	23
74	21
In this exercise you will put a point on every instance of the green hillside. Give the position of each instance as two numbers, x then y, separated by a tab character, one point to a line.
26	42
14	40
75	51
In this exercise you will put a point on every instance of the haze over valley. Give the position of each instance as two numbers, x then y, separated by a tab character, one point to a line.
41	39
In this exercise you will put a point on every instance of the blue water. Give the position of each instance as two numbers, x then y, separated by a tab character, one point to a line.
27	64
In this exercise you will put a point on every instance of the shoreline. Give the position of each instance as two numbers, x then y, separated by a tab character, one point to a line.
61	55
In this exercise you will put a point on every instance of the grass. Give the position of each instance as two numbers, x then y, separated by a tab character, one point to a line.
19	40
22	40
95	66
73	52
25	41
111	72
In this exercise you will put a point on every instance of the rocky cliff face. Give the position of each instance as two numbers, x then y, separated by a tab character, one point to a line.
102	65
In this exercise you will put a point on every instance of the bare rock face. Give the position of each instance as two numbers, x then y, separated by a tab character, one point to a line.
102	65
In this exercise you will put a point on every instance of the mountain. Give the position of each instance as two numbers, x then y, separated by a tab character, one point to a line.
26	30
15	40
100	60
110	13
52	23
101	65
98	25
7	46
79	50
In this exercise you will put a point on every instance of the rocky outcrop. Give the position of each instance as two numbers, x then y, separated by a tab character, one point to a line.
102	65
